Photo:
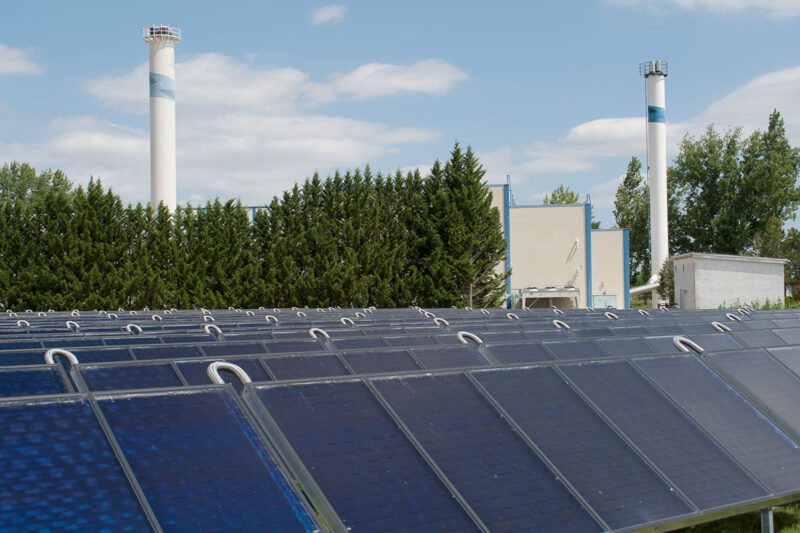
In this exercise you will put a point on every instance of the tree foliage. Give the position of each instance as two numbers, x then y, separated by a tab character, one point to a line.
353	239
561	195
727	194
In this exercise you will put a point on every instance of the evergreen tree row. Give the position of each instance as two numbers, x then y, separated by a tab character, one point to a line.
354	239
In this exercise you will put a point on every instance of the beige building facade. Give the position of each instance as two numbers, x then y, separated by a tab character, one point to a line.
557	259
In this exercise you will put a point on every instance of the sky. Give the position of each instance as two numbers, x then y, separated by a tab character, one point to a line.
268	93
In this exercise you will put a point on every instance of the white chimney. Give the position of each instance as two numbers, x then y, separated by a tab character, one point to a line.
655	73
162	39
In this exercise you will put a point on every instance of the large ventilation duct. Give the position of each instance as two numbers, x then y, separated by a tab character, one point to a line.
162	39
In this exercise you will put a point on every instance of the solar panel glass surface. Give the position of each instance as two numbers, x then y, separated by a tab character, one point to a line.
368	470
200	464
743	430
612	478
498	475
59	472
696	464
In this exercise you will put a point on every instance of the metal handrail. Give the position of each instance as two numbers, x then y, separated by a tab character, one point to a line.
512	316
439	320
156	318
611	316
557	311
643	312
131	327
23	323
208	318
733	318
344	320
485	311
271	318
301	314
719	326
72	325
560	324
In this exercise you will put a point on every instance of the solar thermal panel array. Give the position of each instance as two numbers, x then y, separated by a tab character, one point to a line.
383	420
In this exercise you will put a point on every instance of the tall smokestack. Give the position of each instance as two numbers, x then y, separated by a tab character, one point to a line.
655	73
162	39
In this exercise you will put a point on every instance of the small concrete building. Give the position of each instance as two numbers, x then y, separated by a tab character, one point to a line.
710	281
557	259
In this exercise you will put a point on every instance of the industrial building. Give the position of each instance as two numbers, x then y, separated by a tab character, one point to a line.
556	258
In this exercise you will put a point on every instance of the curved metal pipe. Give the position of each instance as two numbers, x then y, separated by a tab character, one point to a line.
49	356
683	344
208	328
214	368
560	324
314	331
462	337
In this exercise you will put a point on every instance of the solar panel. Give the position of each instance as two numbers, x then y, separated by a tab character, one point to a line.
200	465
789	336
612	478
295	346
766	380
306	366
504	336
21	358
71	342
123	377
133	340
101	355
528	352
370	473
749	436
626	346
223	349
59	472
498	475
447	357
696	464
167	352
31	382
380	361
758	339
360	343
575	349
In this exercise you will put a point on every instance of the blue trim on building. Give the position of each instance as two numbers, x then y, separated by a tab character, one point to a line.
162	86
507	231
588	211
626	261
656	114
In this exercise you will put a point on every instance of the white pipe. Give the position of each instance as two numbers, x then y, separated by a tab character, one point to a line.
655	76
162	39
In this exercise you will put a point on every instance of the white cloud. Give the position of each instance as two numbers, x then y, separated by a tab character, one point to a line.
17	61
771	8
375	80
242	131
750	105
215	81
333	14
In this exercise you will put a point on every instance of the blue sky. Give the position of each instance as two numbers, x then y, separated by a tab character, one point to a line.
267	93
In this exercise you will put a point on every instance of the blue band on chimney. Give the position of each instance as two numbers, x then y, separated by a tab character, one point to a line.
162	86
656	114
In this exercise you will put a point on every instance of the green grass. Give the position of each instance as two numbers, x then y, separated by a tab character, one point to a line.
786	520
